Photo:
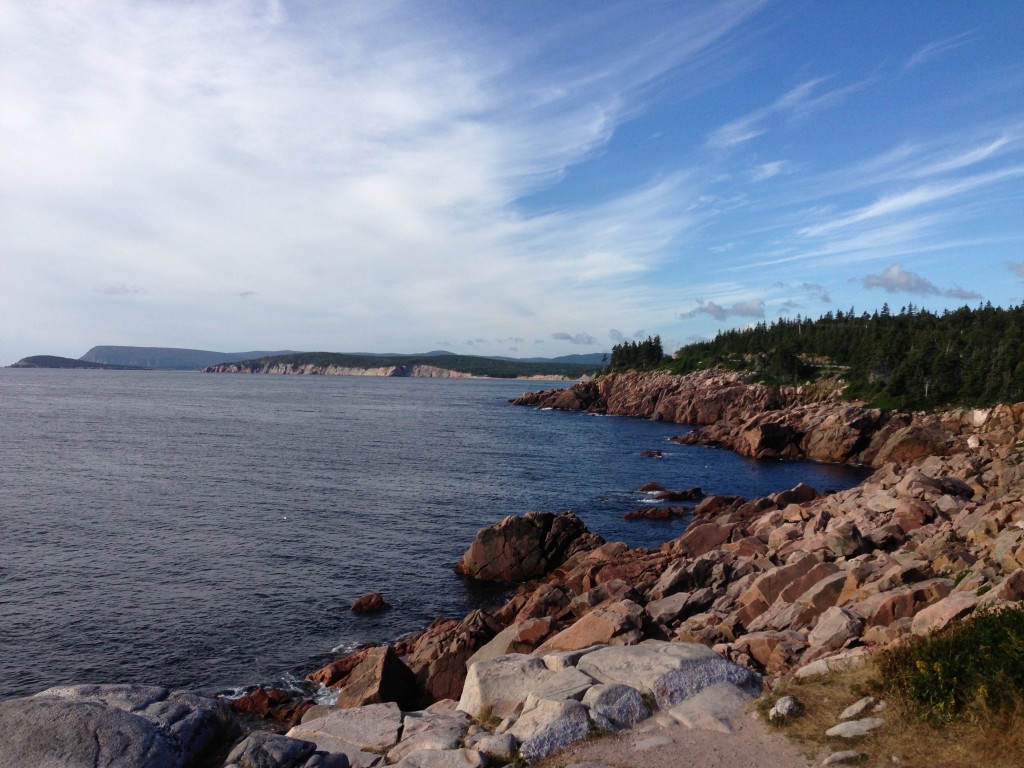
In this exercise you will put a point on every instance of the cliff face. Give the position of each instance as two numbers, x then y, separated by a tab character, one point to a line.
766	422
309	369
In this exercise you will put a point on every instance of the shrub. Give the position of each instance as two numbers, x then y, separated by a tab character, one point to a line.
969	669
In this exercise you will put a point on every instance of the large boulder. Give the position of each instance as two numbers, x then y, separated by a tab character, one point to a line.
263	749
380	677
671	672
439	656
549	725
432	730
525	547
116	726
361	733
612	623
499	685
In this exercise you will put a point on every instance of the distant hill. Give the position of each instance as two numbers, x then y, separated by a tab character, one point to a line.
177	359
403	365
52	361
168	358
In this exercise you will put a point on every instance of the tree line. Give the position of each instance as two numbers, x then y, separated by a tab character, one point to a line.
912	358
637	354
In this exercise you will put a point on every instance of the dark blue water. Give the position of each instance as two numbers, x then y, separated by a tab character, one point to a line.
211	531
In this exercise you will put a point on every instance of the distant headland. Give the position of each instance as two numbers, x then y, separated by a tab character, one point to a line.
436	364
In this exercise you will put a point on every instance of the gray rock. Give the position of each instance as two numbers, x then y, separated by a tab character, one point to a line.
430	730
678	685
262	749
834	628
713	709
858	708
840	758
501	683
562	659
443	758
785	708
854	658
500	745
325	760
641	666
548	726
358	733
616	707
116	726
853	729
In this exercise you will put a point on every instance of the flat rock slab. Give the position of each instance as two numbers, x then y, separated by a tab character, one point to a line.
713	709
853	729
570	683
444	758
430	730
358	733
671	672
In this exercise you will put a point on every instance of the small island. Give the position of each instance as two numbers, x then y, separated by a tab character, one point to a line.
52	361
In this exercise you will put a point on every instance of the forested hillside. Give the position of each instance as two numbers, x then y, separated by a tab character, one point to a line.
910	359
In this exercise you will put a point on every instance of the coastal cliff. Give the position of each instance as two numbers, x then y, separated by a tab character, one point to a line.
806	422
313	369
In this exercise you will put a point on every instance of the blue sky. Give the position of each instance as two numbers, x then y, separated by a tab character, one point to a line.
515	178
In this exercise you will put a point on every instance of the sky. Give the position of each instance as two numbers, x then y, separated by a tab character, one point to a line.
520	178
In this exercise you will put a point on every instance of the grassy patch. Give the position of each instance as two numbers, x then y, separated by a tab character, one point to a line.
967	713
971	670
487	719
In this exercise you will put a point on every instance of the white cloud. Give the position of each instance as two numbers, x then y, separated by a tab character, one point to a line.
333	161
896	279
746	308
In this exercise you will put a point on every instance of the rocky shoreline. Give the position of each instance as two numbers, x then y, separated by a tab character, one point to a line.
598	635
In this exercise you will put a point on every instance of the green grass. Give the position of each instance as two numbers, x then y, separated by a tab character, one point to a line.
970	670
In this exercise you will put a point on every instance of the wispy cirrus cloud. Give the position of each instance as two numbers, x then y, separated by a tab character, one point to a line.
896	279
801	101
913	198
937	48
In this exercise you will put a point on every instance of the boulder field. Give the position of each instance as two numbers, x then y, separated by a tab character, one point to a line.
599	636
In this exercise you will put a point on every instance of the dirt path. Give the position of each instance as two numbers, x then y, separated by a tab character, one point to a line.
661	742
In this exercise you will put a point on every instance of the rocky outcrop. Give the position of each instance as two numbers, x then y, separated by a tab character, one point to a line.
751	419
525	547
118	726
704	397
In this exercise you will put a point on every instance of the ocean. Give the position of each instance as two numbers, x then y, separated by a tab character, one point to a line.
210	531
